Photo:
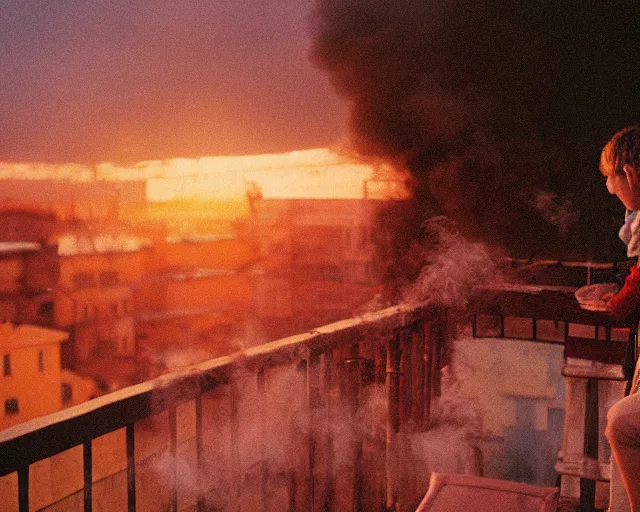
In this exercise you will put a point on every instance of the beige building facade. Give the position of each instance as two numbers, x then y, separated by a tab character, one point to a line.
32	381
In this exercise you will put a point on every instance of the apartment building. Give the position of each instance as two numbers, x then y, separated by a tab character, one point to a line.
28	271
317	261
94	301
196	298
33	383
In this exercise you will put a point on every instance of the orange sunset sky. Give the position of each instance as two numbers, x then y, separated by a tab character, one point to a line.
128	81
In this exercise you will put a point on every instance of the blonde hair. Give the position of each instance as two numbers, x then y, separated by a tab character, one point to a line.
623	148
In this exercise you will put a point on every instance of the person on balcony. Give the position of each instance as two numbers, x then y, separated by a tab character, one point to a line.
620	163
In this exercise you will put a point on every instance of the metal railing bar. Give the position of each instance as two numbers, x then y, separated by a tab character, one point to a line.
131	468
23	488
405	375
292	491
354	384
393	415
328	378
358	478
299	466
173	462
234	433
436	364
262	398
417	375
87	463
427	373
201	503
312	402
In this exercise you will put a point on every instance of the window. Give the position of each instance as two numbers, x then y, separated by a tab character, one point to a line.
66	392
45	308
11	406
41	361
83	280
7	365
108	278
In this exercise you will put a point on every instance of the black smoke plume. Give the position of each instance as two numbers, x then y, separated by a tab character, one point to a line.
491	105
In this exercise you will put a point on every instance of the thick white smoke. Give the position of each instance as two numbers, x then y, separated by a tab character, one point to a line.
452	266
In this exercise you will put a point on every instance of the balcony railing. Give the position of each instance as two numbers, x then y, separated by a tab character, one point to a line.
308	422
594	348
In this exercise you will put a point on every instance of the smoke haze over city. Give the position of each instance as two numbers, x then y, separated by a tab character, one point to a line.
495	108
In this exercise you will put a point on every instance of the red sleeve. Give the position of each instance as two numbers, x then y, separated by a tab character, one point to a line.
623	304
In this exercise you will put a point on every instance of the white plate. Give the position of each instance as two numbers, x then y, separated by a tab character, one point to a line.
591	296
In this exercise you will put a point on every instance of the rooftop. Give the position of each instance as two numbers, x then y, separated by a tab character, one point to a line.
201	238
23	335
73	244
